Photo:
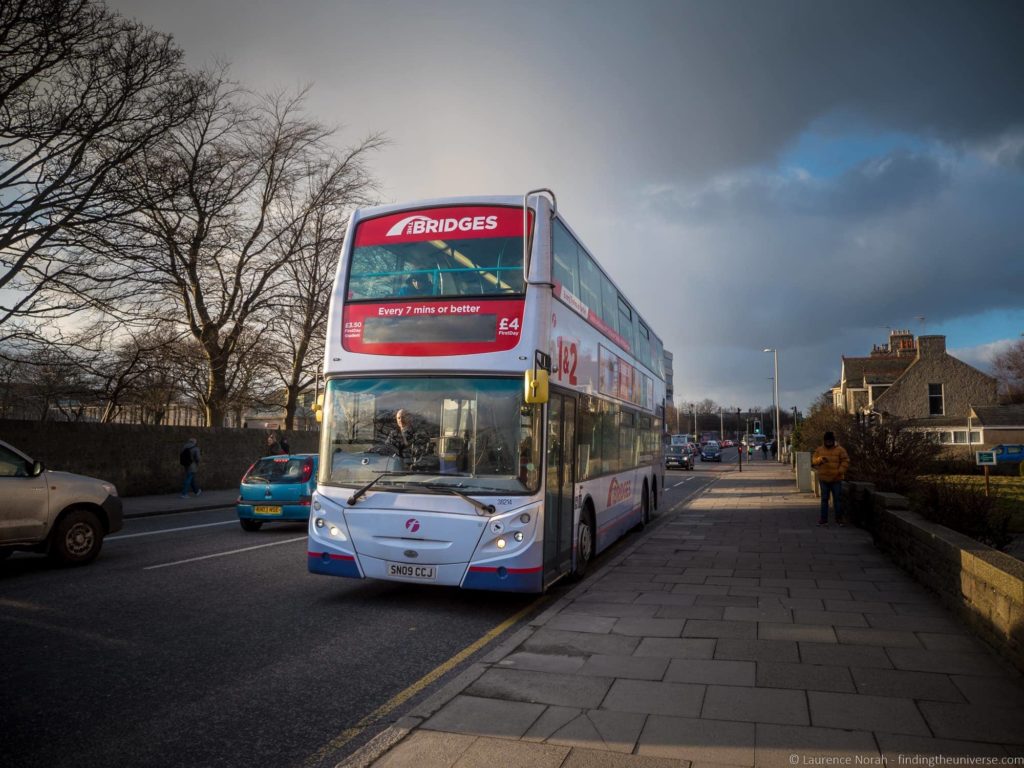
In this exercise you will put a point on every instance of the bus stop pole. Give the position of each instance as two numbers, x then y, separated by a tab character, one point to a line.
739	445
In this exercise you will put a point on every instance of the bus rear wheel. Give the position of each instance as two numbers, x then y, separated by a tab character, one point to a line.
645	511
584	543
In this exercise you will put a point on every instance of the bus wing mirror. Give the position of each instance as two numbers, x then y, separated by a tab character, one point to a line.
318	409
536	386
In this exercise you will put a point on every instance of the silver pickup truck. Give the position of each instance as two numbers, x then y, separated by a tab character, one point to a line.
63	515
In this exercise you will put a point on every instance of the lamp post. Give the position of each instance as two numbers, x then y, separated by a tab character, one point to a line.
775	354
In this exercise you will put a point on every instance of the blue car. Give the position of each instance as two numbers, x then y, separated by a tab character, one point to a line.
277	488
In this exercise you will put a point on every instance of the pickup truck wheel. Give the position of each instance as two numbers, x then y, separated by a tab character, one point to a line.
250	525
77	538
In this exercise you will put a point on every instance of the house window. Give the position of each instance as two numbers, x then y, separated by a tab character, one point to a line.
935	407
960	437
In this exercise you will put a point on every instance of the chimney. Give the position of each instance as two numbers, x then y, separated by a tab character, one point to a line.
901	343
931	346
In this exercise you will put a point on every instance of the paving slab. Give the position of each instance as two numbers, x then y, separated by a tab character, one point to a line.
710	612
631	667
831	618
550	721
744	630
757	650
681	699
541	687
698	740
579	643
602	729
676	648
783	746
976	722
709	671
487	753
905	685
947	662
897	748
866	713
580	622
649	627
542	662
614	610
986	690
808	677
485	717
776	614
888	638
590	758
427	748
811	633
844	655
755	705
943	641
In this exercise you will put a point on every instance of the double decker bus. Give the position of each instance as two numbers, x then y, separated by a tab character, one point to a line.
493	404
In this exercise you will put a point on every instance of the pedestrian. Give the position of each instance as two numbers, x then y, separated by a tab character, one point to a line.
273	446
831	461
764	451
189	460
283	442
775	449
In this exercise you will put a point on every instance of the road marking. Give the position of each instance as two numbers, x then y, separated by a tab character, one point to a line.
169	530
398	699
682	481
223	554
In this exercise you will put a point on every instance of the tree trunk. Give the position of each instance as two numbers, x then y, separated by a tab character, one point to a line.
290	406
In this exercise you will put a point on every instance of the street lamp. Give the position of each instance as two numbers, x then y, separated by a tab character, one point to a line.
775	354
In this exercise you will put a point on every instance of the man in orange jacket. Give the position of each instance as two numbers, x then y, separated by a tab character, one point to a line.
831	461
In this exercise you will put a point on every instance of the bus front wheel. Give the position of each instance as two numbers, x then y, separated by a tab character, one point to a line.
584	543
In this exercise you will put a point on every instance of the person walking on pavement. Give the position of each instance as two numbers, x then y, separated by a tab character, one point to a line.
189	460
273	446
775	449
764	451
831	461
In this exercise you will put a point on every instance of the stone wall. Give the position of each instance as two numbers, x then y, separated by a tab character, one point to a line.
983	586
142	459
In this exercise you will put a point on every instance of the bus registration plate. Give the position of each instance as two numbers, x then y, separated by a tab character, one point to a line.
415	572
267	510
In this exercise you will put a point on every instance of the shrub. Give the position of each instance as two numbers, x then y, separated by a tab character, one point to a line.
888	455
963	508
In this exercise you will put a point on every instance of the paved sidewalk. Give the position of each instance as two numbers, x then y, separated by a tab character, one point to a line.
167	503
735	632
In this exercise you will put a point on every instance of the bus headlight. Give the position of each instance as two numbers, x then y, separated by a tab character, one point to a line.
319	522
500	543
518	535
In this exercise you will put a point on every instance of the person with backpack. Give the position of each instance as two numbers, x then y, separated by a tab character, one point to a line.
189	460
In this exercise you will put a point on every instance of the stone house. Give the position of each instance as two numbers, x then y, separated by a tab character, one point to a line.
917	380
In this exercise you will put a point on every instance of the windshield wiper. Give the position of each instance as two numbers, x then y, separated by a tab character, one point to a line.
482	509
359	494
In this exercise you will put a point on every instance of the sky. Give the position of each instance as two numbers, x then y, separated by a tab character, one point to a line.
802	176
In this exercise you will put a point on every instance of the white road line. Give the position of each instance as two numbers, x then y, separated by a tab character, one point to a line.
223	554
169	530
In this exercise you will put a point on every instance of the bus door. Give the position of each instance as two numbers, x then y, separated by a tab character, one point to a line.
558	500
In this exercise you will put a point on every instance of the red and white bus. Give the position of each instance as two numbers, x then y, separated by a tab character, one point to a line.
448	455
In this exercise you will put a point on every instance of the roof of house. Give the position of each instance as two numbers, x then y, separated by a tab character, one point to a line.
878	370
999	415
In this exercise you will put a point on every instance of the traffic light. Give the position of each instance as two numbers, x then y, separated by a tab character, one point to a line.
757	426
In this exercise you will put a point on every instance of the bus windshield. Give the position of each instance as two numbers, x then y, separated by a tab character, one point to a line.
438	268
471	434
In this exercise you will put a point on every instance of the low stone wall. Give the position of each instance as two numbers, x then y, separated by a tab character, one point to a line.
142	459
983	586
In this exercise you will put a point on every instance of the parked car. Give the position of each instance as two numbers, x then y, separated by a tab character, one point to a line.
711	452
678	456
60	514
277	488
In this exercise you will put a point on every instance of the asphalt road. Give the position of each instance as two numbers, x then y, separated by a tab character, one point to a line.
192	643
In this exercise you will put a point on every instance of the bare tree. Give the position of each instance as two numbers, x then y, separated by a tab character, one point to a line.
217	224
1009	368
83	91
298	327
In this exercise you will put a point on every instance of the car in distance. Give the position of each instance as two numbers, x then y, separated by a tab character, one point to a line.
711	452
276	489
678	456
60	514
